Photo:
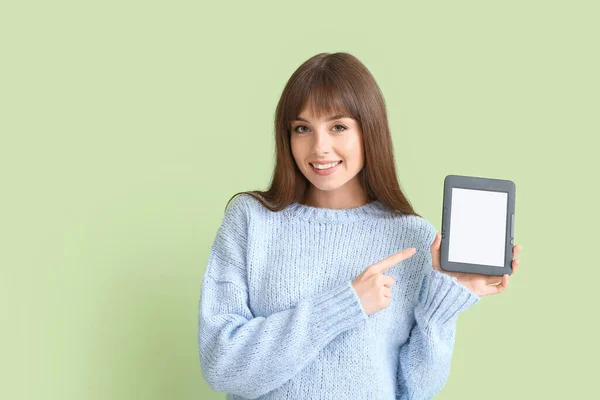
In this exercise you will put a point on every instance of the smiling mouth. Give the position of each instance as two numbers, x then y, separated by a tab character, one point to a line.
325	169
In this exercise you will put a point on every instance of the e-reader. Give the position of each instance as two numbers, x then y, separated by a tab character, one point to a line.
478	225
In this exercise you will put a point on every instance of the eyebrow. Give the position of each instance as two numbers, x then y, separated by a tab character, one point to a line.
328	119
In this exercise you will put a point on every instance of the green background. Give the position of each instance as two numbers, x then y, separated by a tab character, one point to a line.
127	125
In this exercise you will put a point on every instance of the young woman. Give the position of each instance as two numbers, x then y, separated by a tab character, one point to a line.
311	289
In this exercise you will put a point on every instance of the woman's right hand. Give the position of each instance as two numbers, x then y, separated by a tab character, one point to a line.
373	288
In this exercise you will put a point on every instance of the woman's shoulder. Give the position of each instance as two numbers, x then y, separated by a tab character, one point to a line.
245	199
244	204
426	230
419	227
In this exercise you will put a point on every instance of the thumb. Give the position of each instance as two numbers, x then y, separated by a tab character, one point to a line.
435	246
435	250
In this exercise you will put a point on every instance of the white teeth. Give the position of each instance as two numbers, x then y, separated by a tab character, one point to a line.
325	166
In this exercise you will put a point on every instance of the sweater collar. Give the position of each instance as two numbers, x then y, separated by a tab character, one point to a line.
322	214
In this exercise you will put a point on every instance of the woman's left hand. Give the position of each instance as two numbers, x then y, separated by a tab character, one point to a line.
481	285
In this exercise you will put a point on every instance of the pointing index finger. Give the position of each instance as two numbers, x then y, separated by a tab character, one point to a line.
394	259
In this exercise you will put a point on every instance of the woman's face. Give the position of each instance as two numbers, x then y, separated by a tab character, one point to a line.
331	139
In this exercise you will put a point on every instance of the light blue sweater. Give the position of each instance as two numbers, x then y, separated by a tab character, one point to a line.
280	319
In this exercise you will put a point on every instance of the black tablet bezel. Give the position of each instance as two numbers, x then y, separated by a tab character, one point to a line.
478	183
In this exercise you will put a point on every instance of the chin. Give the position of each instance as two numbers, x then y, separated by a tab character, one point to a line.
326	187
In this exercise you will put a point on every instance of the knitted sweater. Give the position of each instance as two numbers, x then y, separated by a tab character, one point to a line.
279	318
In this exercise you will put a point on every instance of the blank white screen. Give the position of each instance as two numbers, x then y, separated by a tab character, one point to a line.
478	227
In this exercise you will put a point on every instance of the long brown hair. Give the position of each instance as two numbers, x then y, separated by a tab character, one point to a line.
334	83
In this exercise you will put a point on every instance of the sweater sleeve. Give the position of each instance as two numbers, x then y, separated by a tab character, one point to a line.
425	359
250	356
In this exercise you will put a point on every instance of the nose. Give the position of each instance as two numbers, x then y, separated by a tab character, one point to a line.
321	142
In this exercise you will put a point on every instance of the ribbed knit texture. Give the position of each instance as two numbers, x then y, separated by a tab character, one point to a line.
280	319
